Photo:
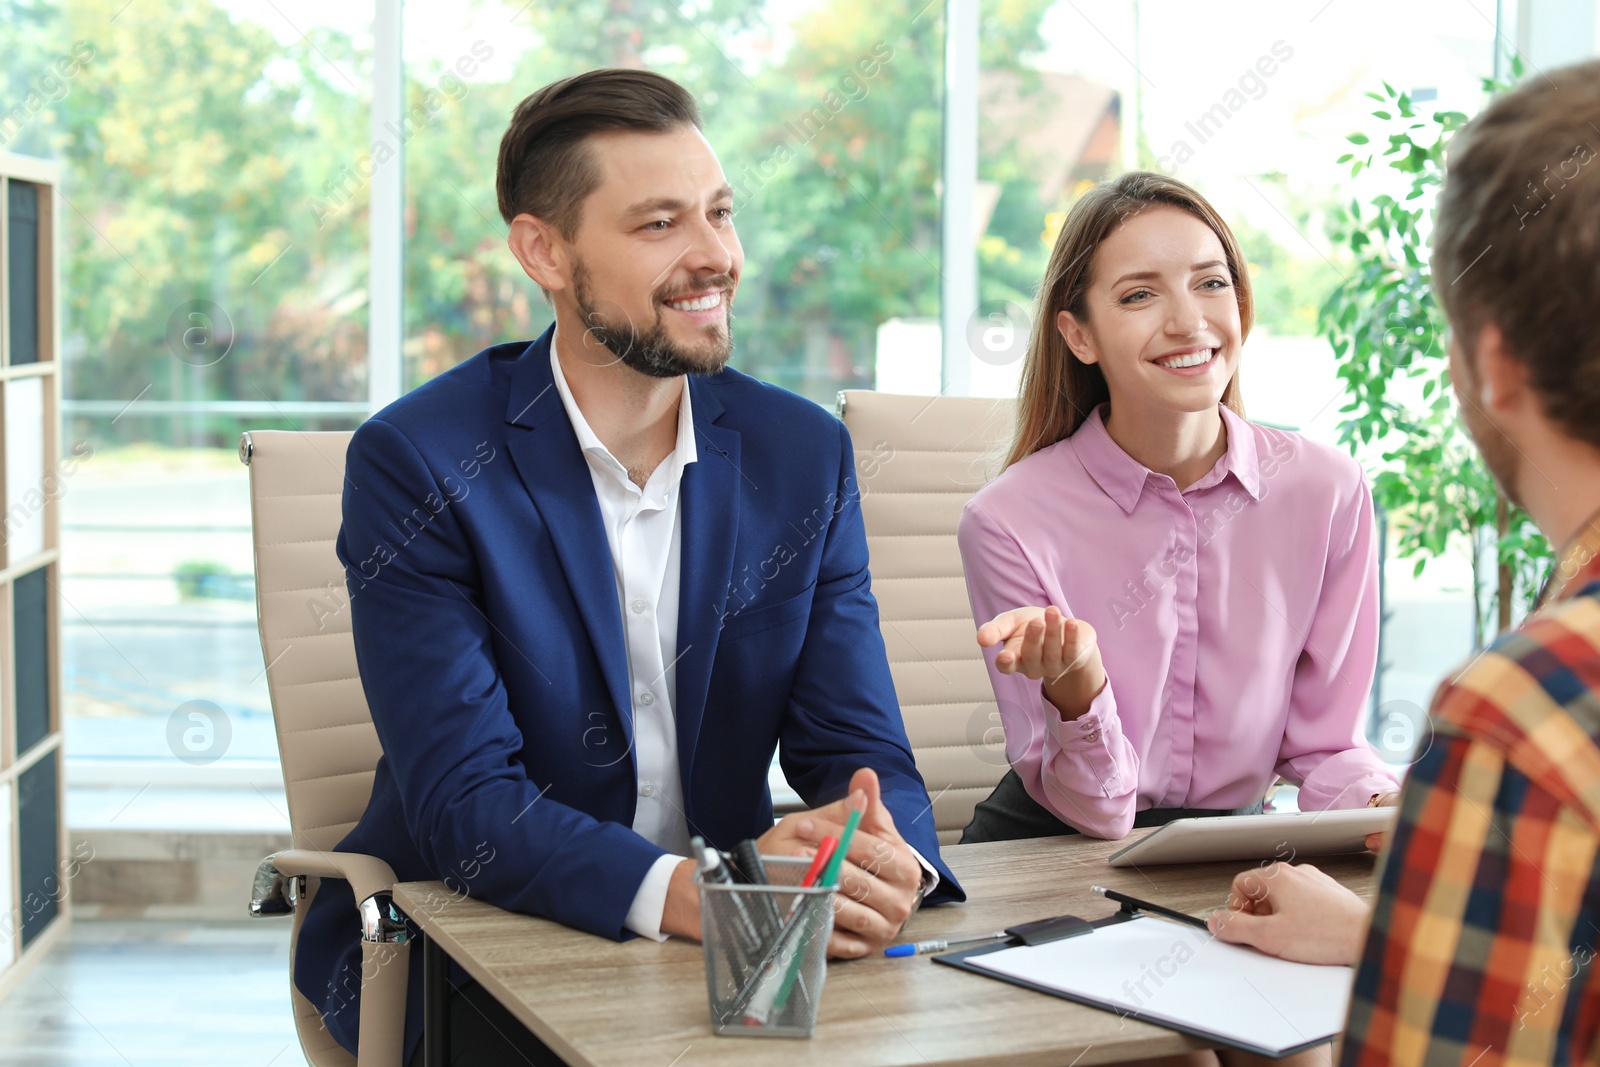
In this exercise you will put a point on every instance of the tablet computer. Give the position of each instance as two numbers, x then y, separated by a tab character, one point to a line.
1287	836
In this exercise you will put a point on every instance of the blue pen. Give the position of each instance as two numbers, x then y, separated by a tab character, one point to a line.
922	947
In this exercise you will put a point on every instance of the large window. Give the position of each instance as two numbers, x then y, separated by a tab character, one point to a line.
221	158
214	279
1250	103
825	114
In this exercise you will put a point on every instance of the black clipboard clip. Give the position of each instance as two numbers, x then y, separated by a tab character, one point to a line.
1044	931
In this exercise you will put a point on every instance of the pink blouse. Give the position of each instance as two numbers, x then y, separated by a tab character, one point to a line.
1237	619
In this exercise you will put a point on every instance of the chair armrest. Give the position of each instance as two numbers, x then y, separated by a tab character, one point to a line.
385	937
370	878
366	874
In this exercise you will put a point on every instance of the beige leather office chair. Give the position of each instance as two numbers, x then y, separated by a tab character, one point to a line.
918	460
326	739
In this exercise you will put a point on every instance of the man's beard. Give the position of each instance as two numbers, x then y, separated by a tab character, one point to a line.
651	351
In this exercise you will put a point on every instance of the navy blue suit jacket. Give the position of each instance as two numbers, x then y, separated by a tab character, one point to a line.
491	650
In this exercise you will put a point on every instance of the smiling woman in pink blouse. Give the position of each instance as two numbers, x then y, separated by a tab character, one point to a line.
1177	606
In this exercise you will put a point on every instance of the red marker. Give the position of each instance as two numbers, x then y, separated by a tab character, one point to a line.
818	862
760	1006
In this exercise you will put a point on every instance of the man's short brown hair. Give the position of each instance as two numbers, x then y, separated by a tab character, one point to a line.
545	167
1517	237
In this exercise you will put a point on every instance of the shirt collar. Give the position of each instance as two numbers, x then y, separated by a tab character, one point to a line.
1122	477
683	453
1241	459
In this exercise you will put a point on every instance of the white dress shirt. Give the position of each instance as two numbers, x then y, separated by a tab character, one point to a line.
643	530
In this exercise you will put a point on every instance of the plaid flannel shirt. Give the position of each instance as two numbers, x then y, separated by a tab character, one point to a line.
1482	945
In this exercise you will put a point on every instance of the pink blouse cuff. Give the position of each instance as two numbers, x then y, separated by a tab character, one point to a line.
1355	795
1087	731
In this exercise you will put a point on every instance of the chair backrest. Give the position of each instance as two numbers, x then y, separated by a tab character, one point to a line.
326	739
918	460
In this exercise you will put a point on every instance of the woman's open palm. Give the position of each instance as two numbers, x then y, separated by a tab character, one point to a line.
1049	646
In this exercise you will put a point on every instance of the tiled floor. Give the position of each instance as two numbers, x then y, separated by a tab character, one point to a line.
131	994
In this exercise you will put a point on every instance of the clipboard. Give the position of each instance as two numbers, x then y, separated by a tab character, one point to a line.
1316	1024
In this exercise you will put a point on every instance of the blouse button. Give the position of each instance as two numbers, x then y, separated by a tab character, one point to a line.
1092	735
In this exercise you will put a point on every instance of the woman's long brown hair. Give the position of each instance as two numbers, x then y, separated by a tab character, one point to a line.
1059	390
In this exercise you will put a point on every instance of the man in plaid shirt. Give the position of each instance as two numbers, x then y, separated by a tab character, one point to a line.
1482	945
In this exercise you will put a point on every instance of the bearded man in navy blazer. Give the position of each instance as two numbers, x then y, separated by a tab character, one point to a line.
598	578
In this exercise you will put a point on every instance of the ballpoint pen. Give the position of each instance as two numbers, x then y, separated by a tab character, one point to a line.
1134	903
919	948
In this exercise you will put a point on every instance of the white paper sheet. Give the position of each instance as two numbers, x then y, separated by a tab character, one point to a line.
1165	971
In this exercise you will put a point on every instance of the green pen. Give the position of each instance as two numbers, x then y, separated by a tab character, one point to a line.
830	876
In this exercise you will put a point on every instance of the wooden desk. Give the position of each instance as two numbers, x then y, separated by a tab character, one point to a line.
599	1003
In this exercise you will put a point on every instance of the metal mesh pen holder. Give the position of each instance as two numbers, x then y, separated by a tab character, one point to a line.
766	949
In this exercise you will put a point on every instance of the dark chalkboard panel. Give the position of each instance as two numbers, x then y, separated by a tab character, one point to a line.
30	599
23	271
39	846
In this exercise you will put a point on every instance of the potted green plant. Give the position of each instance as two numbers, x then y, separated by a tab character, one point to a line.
1386	328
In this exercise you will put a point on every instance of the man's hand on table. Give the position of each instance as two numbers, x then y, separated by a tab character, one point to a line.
877	885
1295	912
